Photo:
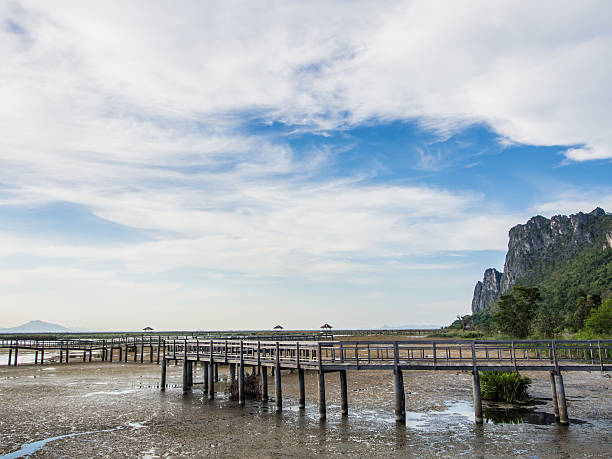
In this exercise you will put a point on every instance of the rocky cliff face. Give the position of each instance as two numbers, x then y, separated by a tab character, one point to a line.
537	241
487	291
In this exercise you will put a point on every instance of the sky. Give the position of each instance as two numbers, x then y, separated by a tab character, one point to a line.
237	165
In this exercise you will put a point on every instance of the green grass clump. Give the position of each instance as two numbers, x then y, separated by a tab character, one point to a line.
504	386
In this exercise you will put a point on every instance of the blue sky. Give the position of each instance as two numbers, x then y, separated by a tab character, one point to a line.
328	162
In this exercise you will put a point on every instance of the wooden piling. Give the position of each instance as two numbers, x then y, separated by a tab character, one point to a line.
241	376
322	404
142	349
125	355
42	356
216	372
205	371
343	393
36	358
553	389
185	376
211	374
163	375
232	372
62	356
563	418
15	356
264	384
398	387
400	397
477	397
278	392
302	397
10	355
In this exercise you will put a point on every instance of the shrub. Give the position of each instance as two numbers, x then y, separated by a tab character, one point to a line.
503	386
251	388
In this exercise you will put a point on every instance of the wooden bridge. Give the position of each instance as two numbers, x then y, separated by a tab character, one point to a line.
396	356
328	356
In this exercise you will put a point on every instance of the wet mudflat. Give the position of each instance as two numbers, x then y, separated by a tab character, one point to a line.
111	409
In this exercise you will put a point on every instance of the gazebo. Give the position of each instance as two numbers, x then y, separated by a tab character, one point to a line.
278	327
148	329
326	326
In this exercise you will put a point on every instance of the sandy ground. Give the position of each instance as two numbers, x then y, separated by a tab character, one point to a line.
128	416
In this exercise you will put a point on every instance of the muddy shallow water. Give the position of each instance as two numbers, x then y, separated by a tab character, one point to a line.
117	410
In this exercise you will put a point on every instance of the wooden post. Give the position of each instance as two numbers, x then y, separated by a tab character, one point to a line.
142	348
120	353
322	404
111	353
216	372
563	418
10	355
36	358
232	372
398	386
477	398
151	349
163	374
476	388
241	375
185	376
125	356
205	369
158	348
343	393
61	355
84	356
302	399
42	356
278	393
15	356
264	384
211	374
90	356
553	389
136	350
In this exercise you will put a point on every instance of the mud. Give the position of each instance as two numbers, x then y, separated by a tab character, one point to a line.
117	410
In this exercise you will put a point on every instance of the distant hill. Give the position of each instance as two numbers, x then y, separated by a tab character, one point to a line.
36	326
565	257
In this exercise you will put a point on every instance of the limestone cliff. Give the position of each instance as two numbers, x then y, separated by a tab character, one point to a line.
541	247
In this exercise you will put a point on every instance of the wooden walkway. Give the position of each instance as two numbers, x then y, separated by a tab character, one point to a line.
396	356
300	354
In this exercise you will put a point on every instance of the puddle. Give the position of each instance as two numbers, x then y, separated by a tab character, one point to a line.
28	449
110	392
520	415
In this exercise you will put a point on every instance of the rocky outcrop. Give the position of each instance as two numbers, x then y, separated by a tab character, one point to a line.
487	291
535	242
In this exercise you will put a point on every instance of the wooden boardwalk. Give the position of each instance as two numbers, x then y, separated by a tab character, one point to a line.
300	354
394	356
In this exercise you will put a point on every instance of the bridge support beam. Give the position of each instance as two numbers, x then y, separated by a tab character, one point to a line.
563	418
232	372
10	355
216	372
42	356
477	397
343	393
302	397
400	396
185	376
322	403
211	381
264	384
278	391
241	397
36	358
205	371
162	384
553	390
15	356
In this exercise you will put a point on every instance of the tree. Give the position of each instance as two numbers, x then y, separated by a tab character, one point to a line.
599	321
584	305
517	310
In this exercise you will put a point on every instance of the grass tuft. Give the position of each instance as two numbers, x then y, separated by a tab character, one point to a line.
504	386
